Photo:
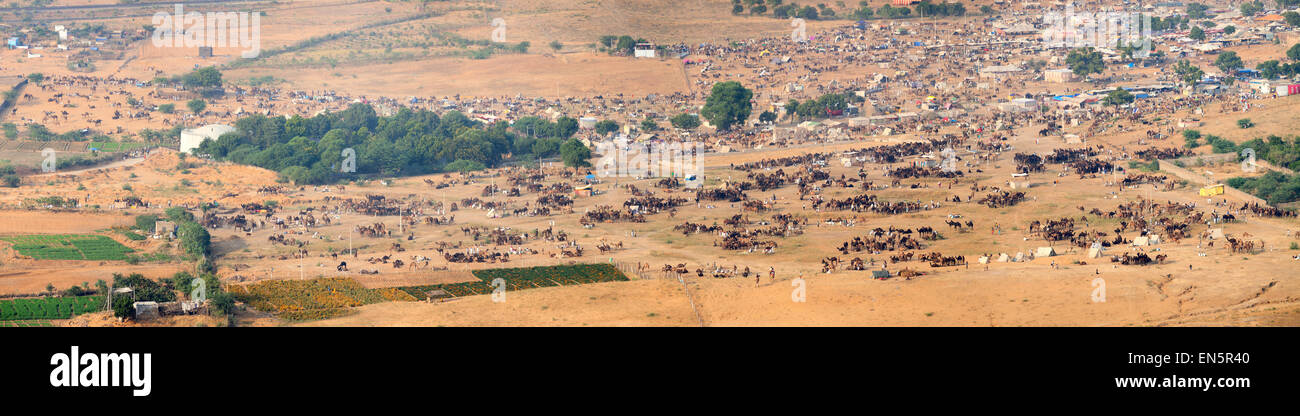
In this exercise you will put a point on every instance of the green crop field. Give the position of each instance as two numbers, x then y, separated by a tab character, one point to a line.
525	278
115	146
68	247
49	308
24	324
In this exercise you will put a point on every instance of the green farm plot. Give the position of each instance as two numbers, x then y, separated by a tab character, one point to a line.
49	308
25	324
524	278
115	146
68	247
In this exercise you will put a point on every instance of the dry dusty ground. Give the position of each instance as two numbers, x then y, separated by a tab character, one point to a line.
1219	289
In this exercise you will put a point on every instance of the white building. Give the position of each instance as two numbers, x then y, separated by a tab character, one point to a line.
644	50
192	138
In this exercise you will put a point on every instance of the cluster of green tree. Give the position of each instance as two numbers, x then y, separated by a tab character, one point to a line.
223	303
729	103
194	239
1228	62
1119	96
927	9
1172	22
1273	69
1085	61
9	177
1275	187
1275	149
206	77
1250	8
312	150
820	107
793	10
619	45
685	121
1197	11
1187	73
1292	18
40	133
144	289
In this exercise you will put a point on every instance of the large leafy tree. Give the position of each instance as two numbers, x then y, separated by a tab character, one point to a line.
1085	61
575	154
1228	62
728	104
685	121
1187	72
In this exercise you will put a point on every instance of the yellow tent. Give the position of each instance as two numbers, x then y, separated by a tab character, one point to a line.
1212	190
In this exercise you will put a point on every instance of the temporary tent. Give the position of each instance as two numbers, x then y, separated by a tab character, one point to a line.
1046	252
1094	253
1216	233
1003	258
1141	241
984	260
880	274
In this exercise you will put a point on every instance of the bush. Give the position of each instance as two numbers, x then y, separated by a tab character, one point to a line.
122	306
146	222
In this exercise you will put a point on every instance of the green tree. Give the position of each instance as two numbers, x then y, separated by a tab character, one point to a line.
1294	52
767	117
194	238
575	154
1197	10
685	121
197	105
1197	33
1085	61
1251	8
728	103
1118	97
1228	62
167	108
649	125
605	127
206	77
146	222
1292	18
1270	69
1188	73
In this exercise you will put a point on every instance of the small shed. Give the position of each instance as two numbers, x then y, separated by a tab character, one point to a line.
145	310
164	228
